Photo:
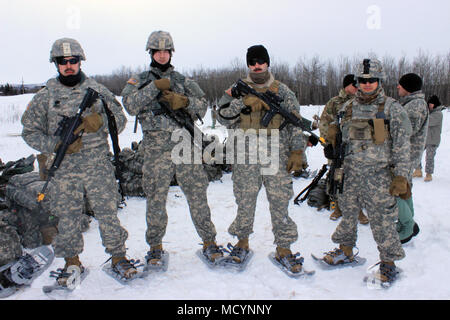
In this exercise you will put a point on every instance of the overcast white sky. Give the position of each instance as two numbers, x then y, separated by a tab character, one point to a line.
213	33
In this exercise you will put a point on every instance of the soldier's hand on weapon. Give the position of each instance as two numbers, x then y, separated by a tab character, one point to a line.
331	134
328	151
312	141
400	188
295	161
175	100
90	123
162	84
255	103
74	147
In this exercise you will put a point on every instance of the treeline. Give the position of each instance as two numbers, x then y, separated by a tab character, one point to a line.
314	80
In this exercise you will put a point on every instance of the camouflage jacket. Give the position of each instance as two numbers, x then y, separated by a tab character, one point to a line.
330	111
357	135
291	136
43	114
140	98
417	110
435	126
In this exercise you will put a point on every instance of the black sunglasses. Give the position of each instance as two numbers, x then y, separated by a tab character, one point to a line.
254	61
369	80
62	61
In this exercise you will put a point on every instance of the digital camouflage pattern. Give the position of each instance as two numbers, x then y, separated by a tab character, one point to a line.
10	246
417	110
158	168
88	172
66	47
160	40
248	178
330	111
367	174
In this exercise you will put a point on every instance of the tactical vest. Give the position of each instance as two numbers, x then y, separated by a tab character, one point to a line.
365	131
253	119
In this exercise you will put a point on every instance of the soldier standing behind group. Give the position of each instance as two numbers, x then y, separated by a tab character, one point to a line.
141	97
248	177
328	116
375	129
86	168
433	138
412	99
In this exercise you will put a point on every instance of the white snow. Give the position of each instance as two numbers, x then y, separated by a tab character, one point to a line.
427	255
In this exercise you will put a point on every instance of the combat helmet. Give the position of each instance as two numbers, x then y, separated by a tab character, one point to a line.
160	40
66	47
370	68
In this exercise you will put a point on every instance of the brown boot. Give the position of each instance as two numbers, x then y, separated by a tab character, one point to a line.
336	214
72	261
428	177
285	257
123	266
211	251
417	173
155	254
240	250
338	256
388	271
362	218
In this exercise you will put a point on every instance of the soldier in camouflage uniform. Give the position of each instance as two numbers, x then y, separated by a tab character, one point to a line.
376	130
86	168
328	116
248	177
141	97
412	99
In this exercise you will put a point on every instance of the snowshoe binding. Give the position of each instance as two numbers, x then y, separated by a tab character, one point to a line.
337	258
67	279
123	270
238	258
291	264
383	276
211	254
156	260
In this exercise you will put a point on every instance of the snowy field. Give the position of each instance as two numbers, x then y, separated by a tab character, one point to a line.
427	255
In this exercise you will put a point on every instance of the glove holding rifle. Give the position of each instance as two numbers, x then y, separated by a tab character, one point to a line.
175	100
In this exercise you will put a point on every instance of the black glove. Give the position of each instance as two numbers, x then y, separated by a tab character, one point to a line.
328	151
313	140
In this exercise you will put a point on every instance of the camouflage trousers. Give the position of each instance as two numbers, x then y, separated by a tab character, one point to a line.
429	158
158	171
10	246
90	173
247	182
369	188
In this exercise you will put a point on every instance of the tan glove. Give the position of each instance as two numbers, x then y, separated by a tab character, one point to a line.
73	148
255	103
331	134
175	100
162	84
90	123
400	188
295	161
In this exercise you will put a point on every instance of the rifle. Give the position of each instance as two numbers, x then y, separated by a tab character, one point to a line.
336	174
240	88
311	186
65	130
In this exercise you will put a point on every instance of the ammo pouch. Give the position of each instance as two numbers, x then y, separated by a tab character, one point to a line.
379	130
360	130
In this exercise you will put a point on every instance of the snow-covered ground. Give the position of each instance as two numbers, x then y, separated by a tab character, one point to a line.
427	255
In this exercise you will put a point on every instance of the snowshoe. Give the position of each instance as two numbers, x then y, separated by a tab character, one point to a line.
68	279
238	258
382	277
339	259
211	255
287	263
120	270
31	265
156	260
7	286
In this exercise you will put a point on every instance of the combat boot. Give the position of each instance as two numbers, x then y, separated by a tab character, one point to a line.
362	218
124	267
428	177
63	275
285	257
211	251
341	255
154	255
417	173
336	214
240	250
388	271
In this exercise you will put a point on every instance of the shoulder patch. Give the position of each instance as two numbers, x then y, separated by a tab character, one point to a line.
132	81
